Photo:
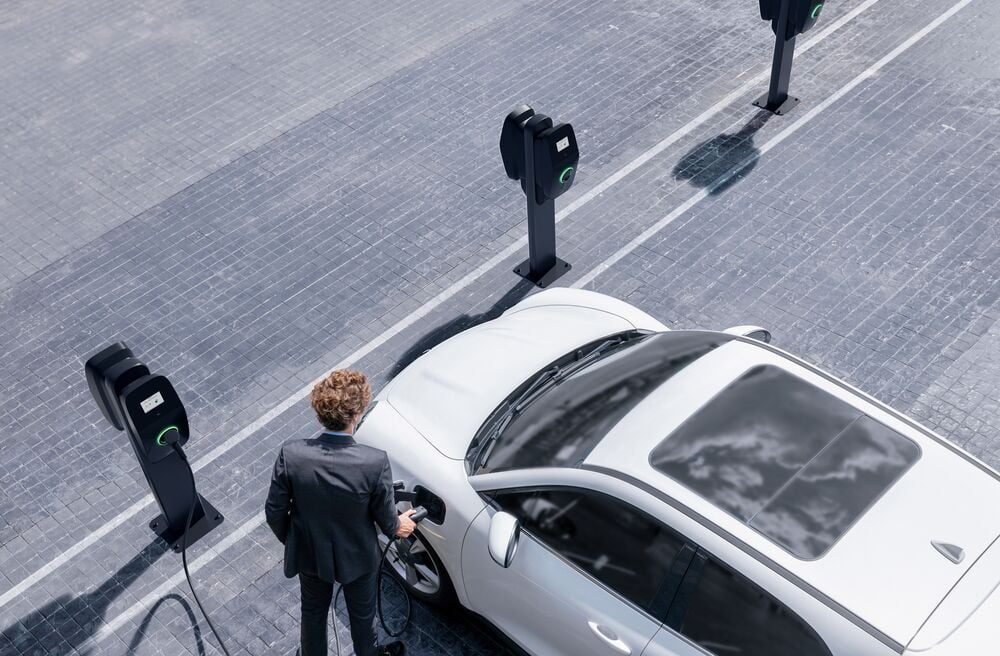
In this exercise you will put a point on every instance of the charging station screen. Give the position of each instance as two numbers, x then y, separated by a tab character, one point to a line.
152	402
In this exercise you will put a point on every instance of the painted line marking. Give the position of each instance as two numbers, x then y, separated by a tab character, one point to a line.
97	534
770	145
108	629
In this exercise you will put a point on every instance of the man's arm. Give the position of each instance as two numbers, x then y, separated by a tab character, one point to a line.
279	499
383	502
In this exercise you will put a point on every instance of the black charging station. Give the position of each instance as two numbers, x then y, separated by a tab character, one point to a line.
543	155
789	18
148	409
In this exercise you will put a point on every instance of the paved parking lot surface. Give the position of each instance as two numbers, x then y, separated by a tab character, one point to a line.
253	194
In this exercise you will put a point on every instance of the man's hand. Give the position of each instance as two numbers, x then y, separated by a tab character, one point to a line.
406	525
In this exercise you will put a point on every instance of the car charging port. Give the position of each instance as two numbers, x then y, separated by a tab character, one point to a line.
432	502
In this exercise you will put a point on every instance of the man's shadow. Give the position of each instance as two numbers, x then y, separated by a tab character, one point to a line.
734	155
458	324
65	625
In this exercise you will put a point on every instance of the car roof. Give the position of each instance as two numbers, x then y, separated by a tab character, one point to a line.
883	568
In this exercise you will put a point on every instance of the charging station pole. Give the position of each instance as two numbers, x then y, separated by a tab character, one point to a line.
543	156
777	100
542	266
789	18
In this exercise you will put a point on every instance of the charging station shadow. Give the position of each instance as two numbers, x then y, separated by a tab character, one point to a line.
67	623
458	324
708	162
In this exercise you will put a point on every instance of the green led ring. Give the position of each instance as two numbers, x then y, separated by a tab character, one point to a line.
564	176
159	436
815	11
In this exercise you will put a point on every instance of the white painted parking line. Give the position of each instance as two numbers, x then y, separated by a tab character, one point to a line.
258	520
688	128
774	142
108	628
739	94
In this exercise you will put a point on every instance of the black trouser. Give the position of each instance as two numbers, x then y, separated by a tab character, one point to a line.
360	598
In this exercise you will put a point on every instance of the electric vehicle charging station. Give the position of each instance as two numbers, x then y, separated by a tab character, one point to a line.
789	18
148	409
544	156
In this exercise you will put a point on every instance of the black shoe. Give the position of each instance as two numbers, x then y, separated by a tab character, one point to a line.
395	648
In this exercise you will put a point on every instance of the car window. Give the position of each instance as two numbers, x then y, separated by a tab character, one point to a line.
624	548
728	614
563	425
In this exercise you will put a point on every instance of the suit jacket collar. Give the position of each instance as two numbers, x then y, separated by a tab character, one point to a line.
338	439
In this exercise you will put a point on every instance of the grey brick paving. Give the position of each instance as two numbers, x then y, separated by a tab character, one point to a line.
868	243
110	108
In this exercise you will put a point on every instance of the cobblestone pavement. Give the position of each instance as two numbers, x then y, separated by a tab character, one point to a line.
248	194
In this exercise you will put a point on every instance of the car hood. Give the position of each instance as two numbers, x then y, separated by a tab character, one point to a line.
448	392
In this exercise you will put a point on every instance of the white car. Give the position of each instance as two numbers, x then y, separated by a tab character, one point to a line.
601	485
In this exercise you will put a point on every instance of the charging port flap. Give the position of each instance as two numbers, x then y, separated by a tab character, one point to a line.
432	502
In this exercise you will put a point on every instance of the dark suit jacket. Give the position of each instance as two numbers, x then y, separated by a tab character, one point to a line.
327	494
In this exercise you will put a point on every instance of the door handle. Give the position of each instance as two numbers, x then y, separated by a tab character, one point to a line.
610	638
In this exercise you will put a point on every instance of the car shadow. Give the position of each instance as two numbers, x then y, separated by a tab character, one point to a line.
66	625
709	163
447	330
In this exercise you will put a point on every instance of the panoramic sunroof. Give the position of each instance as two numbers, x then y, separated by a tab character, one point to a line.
794	462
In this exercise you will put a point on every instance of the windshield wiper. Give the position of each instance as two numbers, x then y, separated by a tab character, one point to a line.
487	448
485	445
551	376
595	354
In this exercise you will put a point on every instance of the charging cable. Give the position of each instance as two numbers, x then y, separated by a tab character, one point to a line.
418	514
187	527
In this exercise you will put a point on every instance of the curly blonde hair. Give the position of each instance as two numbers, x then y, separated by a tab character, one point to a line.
340	398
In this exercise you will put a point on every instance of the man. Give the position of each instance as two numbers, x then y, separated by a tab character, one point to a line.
327	495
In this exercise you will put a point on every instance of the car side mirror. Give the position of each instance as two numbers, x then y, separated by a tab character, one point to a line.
504	532
752	332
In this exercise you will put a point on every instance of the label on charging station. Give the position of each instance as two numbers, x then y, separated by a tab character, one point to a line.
152	402
562	144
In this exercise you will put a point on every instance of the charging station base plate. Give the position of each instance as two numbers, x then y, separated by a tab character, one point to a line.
782	109
546	278
199	528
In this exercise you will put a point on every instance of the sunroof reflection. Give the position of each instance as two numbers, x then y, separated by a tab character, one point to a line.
749	441
825	499
793	461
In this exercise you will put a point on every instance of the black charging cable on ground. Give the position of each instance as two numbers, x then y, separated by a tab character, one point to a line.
419	513
187	527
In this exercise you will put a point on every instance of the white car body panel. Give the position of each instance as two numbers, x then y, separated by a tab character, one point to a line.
448	392
415	462
875	589
566	297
